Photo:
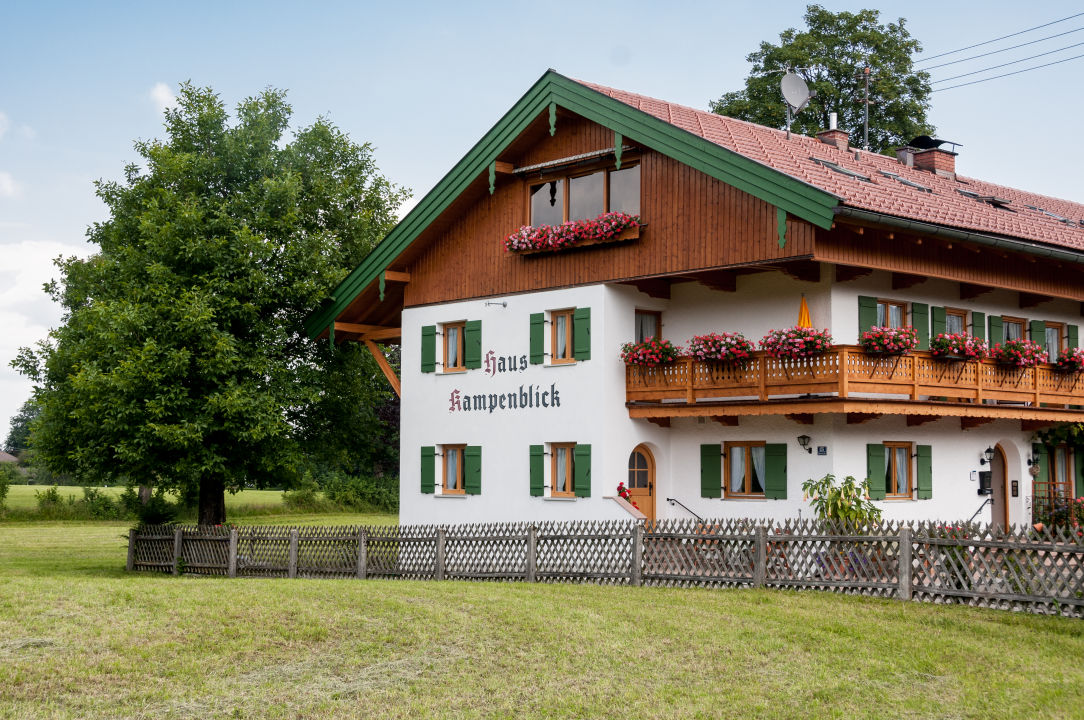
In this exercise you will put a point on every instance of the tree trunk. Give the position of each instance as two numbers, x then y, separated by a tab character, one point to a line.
144	494
212	501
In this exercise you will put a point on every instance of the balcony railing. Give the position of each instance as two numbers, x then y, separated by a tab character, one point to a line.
848	371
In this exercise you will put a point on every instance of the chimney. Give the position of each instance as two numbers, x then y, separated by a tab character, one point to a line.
906	155
935	160
838	138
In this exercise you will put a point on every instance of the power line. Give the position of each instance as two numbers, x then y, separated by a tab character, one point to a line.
995	77
1003	37
1012	62
1012	47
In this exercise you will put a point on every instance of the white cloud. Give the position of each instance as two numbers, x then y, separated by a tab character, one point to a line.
4	125
8	186
28	132
163	96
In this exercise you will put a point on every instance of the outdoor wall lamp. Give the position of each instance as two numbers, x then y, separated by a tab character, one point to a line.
987	456
803	441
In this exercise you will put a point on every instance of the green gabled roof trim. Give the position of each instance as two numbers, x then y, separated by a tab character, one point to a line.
781	190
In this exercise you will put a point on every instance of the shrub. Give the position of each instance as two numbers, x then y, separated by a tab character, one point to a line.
650	353
847	502
728	347
9	475
960	345
889	340
1020	353
158	510
361	493
796	342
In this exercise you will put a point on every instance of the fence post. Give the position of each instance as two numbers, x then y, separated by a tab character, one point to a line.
532	554
760	559
291	570
231	567
636	577
363	554
130	566
905	563
438	560
178	542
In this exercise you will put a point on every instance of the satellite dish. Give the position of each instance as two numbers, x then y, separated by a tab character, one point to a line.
795	91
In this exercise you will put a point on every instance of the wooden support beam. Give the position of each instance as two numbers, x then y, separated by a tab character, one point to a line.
845	273
359	329
396	276
383	334
855	418
801	418
902	281
805	270
966	423
1030	300
725	280
503	168
915	420
652	287
1035	425
663	422
969	291
726	420
386	367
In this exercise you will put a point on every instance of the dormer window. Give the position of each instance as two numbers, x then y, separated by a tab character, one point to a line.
585	196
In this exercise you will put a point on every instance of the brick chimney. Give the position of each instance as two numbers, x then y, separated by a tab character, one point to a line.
935	160
839	138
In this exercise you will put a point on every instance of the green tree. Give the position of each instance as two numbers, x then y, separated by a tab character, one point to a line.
18	439
182	361
831	55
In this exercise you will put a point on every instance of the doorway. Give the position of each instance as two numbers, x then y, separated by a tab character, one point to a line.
999	509
641	482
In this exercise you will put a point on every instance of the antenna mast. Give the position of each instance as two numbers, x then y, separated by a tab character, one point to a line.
867	102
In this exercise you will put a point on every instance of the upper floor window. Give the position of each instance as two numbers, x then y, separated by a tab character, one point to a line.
955	321
1013	328
1054	340
648	324
561	322
453	347
891	313
585	196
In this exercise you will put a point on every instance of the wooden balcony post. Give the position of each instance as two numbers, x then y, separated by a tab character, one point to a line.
1035	384
690	396
978	381
763	377
844	371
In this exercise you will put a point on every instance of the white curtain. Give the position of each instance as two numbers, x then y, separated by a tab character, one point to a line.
561	349
758	469
903	458
737	469
451	457
562	467
453	347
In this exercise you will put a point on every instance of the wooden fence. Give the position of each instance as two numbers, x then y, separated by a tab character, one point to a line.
984	566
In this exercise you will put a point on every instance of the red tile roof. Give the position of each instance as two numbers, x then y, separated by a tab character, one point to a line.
882	194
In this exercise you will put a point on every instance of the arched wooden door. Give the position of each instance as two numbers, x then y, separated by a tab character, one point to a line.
641	482
999	511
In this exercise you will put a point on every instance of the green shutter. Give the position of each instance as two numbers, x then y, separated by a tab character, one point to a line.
978	325
937	321
711	471
867	314
581	459
429	348
997	331
581	333
1072	336
925	472
1039	455
472	470
1078	458
1037	328
472	344
538	470
775	471
538	338
428	468
875	470
920	319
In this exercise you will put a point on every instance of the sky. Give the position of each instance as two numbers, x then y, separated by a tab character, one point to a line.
423	81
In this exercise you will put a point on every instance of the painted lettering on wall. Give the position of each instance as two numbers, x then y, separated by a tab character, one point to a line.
527	397
504	363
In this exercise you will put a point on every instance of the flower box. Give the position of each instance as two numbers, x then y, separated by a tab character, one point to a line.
731	348
889	340
606	228
1070	360
649	353
796	342
1019	353
958	346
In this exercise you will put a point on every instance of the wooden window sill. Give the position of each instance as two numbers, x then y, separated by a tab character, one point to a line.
756	498
458	495
560	498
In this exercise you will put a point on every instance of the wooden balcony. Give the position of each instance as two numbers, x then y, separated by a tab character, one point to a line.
847	379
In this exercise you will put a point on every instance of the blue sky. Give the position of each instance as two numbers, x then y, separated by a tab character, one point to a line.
423	81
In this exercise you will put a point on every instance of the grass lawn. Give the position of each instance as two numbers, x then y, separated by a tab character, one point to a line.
80	638
23	497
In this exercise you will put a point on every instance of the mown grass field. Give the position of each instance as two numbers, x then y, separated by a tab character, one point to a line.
24	497
80	638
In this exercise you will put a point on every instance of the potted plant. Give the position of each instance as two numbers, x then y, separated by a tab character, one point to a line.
607	227
651	352
959	346
1019	353
725	347
796	342
889	340
1070	360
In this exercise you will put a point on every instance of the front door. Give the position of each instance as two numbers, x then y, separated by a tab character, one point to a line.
999	510
641	482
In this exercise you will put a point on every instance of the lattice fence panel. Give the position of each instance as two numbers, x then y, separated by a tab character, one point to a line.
680	553
328	552
205	551
404	551
585	551
495	551
263	551
826	556
154	548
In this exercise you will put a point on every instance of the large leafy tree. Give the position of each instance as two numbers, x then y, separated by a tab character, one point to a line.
831	55
18	439
182	360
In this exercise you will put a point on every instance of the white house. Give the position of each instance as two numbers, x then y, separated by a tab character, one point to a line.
516	403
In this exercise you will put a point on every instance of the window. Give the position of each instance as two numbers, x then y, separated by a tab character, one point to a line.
1055	338
745	469
891	313
955	321
561	343
563	470
585	196
453	347
452	482
648	325
898	475
1013	328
